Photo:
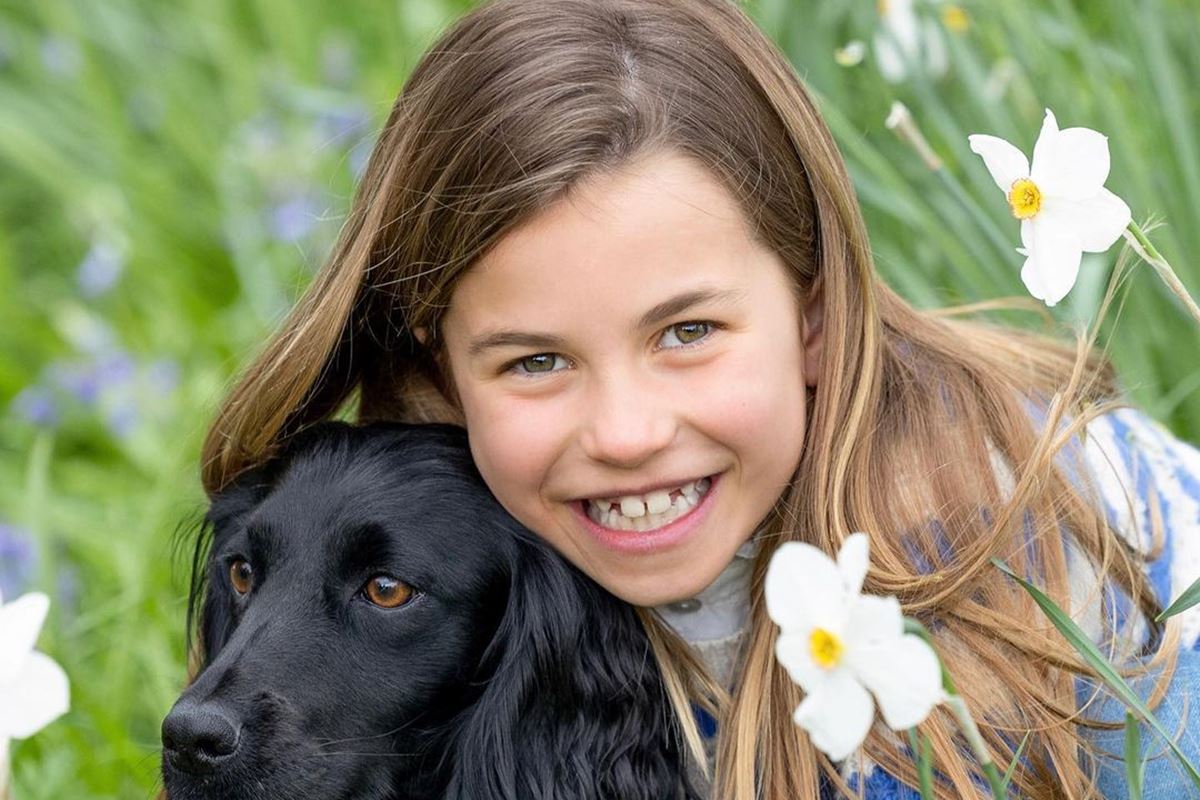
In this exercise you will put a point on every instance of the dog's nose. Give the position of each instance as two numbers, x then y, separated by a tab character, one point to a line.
198	740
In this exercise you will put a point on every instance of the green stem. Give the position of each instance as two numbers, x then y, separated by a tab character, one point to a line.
1137	238
902	122
990	229
921	751
3	768
962	714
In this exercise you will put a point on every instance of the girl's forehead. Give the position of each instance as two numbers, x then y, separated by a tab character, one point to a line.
656	227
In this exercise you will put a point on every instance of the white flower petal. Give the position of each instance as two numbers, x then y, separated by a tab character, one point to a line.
37	696
1054	256
900	18
838	716
1004	161
904	677
887	55
804	588
873	622
1044	146
1032	280
1098	221
794	652
20	622
1072	163
853	560
936	61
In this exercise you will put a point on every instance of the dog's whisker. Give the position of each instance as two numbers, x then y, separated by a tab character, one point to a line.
366	737
324	754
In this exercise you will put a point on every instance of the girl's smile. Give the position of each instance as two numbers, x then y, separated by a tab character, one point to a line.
649	532
631	366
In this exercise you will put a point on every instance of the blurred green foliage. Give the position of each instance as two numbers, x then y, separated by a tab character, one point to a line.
172	174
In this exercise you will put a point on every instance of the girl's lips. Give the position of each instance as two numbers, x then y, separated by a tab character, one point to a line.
662	538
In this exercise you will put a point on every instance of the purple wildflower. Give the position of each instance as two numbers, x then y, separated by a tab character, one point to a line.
360	154
18	561
163	375
86	382
66	584
81	382
338	125
100	268
294	218
35	404
7	48
122	418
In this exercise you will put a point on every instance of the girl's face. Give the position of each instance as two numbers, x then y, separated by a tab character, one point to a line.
633	344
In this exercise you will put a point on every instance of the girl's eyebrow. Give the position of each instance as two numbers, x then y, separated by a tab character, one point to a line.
668	308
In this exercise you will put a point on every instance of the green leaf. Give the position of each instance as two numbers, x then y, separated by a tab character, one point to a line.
1016	757
1135	768
1189	598
1086	648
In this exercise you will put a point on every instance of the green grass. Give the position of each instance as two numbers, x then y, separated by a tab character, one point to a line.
209	149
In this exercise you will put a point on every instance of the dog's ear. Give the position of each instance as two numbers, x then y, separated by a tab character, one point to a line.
574	704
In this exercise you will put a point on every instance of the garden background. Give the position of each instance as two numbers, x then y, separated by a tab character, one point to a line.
172	174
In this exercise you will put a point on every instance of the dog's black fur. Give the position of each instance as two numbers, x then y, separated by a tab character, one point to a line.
509	674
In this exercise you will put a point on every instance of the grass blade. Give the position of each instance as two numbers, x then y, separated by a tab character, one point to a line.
1008	773
1189	598
1135	768
1084	646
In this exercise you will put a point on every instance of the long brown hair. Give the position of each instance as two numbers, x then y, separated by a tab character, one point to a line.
914	415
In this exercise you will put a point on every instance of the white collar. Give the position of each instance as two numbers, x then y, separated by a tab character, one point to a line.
722	609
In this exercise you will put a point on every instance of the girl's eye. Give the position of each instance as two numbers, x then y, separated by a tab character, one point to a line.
542	363
690	332
387	592
241	575
687	334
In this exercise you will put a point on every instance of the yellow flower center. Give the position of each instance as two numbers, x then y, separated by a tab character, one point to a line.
882	7
1025	198
954	18
826	648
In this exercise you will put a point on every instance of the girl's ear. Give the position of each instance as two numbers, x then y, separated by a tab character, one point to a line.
812	332
573	703
420	334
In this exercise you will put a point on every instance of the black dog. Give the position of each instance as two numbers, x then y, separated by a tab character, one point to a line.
375	625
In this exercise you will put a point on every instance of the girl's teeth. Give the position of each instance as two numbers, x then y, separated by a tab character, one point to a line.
632	507
658	502
650	511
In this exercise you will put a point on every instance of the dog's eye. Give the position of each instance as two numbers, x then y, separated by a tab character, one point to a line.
241	575
387	592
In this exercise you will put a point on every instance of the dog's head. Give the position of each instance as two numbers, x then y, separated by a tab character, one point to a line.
374	625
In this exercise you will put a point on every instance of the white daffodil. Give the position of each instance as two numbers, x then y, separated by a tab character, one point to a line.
842	647
33	688
1061	201
906	40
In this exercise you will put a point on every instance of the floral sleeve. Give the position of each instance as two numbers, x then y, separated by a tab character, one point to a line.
1145	475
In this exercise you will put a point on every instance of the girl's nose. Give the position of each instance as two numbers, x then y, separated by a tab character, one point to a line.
629	424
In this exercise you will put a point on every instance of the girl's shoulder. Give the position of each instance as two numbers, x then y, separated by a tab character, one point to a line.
1148	482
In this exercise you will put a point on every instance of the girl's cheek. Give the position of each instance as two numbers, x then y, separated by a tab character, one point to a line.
513	444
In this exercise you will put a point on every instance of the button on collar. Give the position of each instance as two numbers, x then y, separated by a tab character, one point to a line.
686	606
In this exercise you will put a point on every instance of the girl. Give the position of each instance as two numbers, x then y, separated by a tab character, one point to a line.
614	239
